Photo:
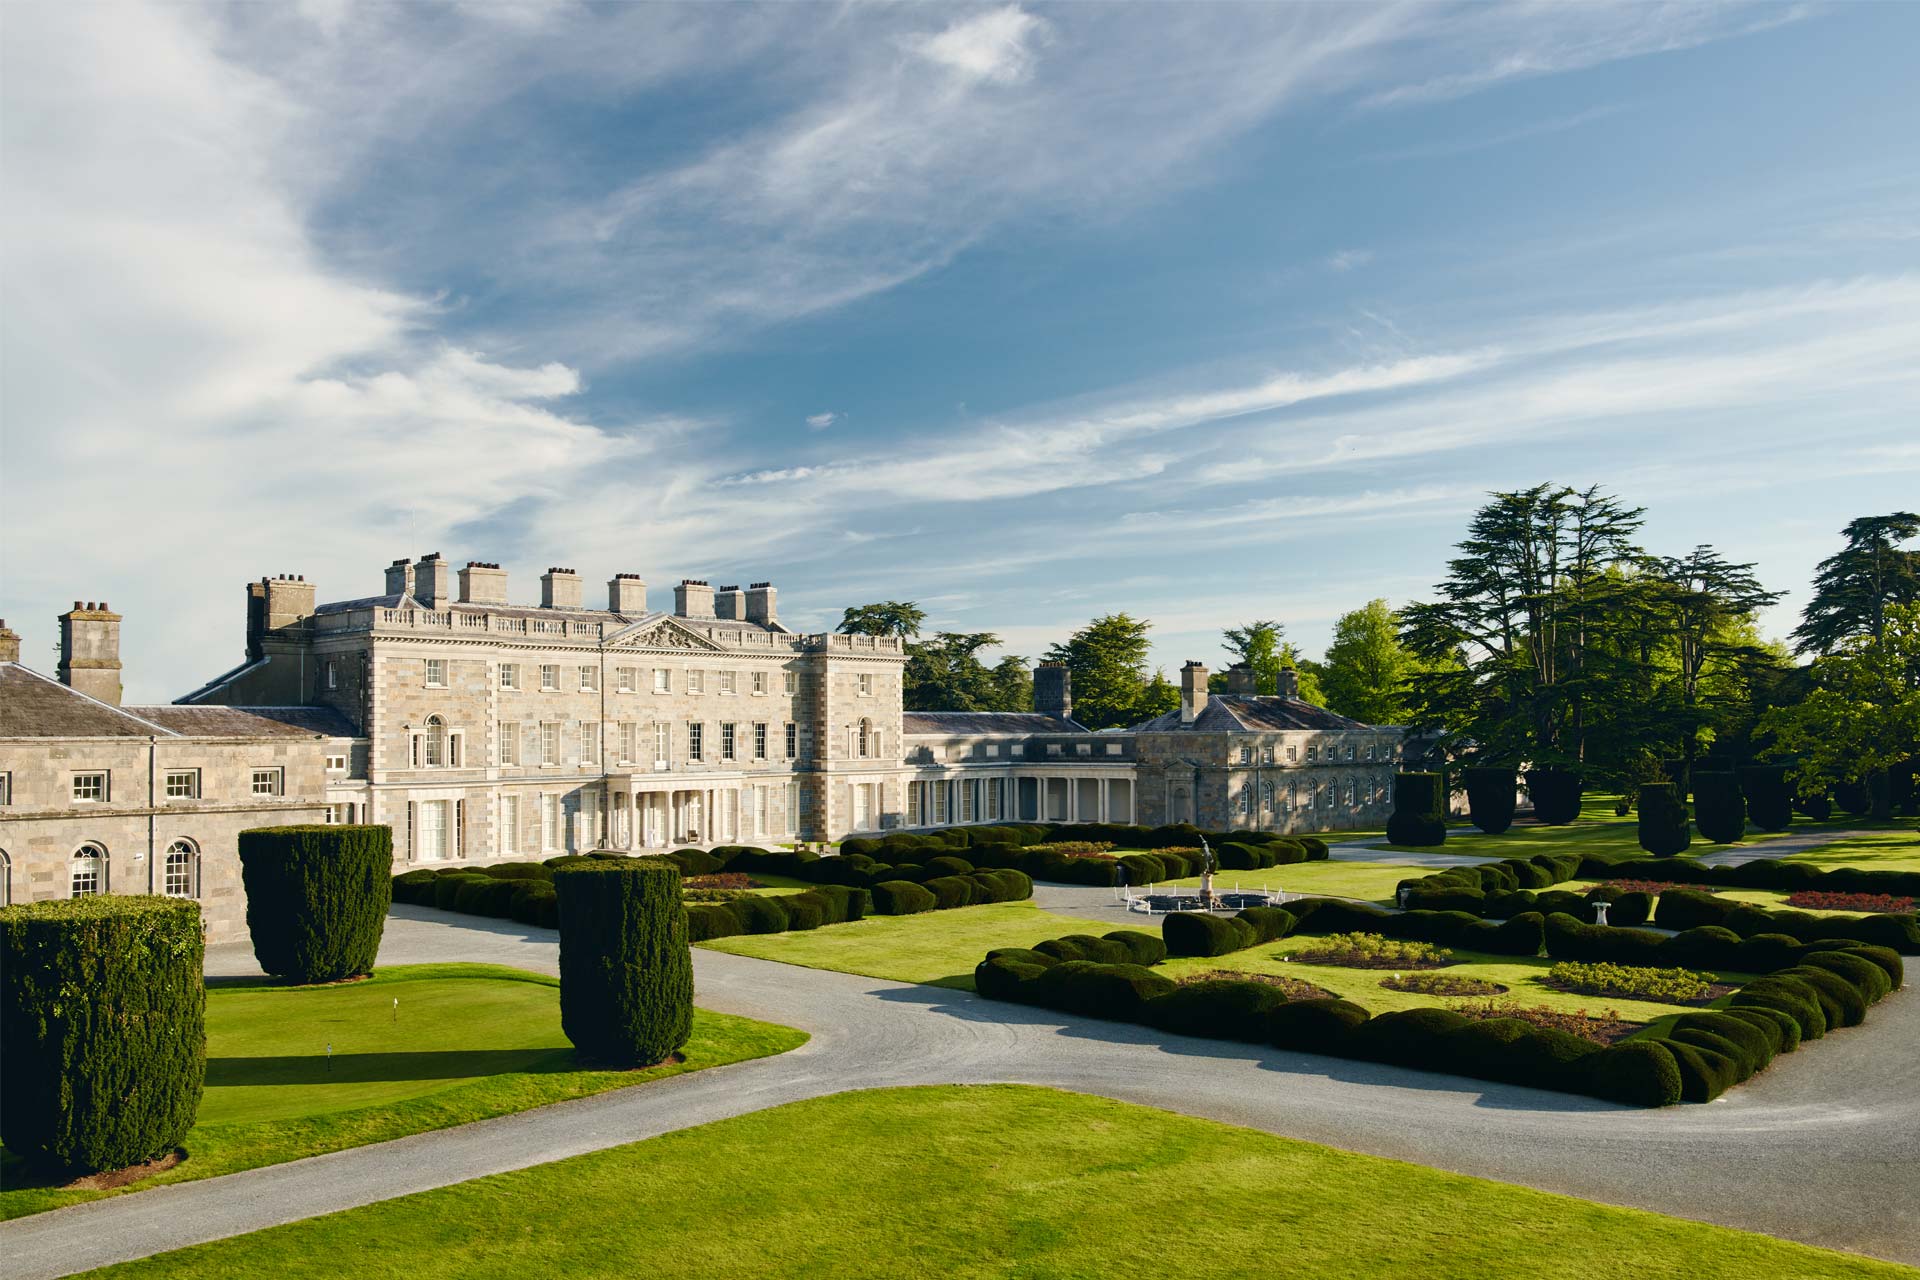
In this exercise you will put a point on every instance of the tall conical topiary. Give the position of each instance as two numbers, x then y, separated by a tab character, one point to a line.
626	973
1556	795
1663	820
103	1042
1769	798
317	898
1490	797
1419	810
1719	810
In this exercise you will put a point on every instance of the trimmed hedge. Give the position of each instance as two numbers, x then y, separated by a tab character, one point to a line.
1556	795
1719	809
1769	798
1663	820
317	898
901	898
1490	798
1419	810
103	1043
1685	908
626	975
1783	874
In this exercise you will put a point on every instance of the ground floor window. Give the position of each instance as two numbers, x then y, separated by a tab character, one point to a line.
88	871
510	824
431	834
180	878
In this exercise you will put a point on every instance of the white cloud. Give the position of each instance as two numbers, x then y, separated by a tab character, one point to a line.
1348	259
821	421
996	45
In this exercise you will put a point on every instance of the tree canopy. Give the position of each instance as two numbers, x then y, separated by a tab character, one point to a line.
947	674
1853	587
888	618
1107	663
1366	669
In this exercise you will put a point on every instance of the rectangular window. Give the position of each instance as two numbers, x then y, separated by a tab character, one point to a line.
1293	754
336	764
760	740
432	838
184	784
267	782
793	808
1246	755
509	675
939	802
589	679
1266	796
6	788
589	742
550	742
1267	756
726	682
1312	752
991	750
793	740
333	675
696	682
1083	748
549	677
790	681
662	744
509	743
866	684
1053	748
549	822
1113	748
726	741
966	800
623	679
759	682
436	673
662	680
993	799
629	742
509	824
694	745
1246	799
89	788
913	803
1349	751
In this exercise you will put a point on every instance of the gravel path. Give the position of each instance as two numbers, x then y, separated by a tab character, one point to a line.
1819	1149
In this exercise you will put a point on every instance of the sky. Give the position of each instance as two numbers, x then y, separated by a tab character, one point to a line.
1204	313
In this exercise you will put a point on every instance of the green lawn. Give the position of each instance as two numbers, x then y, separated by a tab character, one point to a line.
1893	846
937	947
990	1182
1369	881
466	1042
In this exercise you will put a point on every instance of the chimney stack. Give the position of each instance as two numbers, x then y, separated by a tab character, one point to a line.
760	605
1240	679
559	589
9	643
276	604
693	598
1289	683
483	582
90	651
1053	690
433	581
400	578
627	594
728	603
1193	691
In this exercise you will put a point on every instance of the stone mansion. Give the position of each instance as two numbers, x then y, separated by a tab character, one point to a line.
482	729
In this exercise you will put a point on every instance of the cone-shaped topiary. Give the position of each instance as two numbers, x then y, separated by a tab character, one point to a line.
1663	820
1556	795
1719	809
626	974
103	1043
317	898
1419	810
1769	799
1490	795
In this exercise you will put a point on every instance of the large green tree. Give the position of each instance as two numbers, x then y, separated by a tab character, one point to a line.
1705	605
1107	662
1012	684
1853	587
947	674
1366	669
887	618
1257	645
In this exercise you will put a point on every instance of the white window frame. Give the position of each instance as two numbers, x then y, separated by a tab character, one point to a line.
510	824
865	684
436	673
727	682
176	852
341	766
273	777
509	675
6	788
729	740
696	681
790	681
550	749
99	871
623	679
549	677
589	743
181	784
589	680
759	739
793	740
696	741
509	744
92	786
759	684
663	680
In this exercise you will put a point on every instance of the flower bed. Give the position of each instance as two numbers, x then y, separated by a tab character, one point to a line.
1654	887
1822	900
1673	986
1442	984
1074	849
721	880
1292	988
1600	1028
1371	951
716	895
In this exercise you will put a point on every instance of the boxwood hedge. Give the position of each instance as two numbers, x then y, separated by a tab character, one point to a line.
626	975
317	898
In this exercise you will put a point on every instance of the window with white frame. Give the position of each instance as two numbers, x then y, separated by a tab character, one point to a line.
662	680
623	679
90	788
1113	748
1053	748
87	871
863	739
991	750
1349	751
509	675
330	674
1246	799
589	679
337	763
1312	753
509	824
1246	755
726	682
1293	754
913	803
431	842
268	782
1083	748
629	742
940	790
993	799
866	684
549	821
1266	797
1287	805
696	682
759	682
1267	756
790	681
726	740
6	788
550	742
180	874
430	745
793	740
793	808
549	677
509	743
760	740
183	784
436	673
966	799
695	746
662	742
589	742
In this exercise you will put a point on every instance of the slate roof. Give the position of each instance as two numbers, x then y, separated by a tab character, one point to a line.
986	722
250	722
1244	713
37	706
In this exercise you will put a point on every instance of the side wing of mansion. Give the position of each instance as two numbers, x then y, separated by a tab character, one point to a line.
480	729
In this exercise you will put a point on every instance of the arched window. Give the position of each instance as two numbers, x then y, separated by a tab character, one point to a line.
180	873
89	871
863	739
433	743
6	879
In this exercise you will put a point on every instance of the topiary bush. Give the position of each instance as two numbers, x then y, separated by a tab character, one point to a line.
1419	815
1556	795
1148	948
1193	933
103	1045
626	974
1719	809
1769	798
1223	1008
1663	820
1490	798
901	898
317	898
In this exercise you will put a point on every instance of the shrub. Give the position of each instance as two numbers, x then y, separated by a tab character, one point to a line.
1409	1038
804	910
947	865
1569	939
1757	1043
1490	798
1819	806
446	889
1441	984
1081	946
1676	986
317	898
1112	991
414	887
1192	933
1821	900
626	975
518	871
1226	1008
1718	807
901	898
1419	815
1556	795
1795	999
1704	1073
1782	1032
1371	951
759	914
1315	1026
706	921
950	891
1006	976
1142	948
1841	1002
534	902
103	1045
1663	820
1769	799
1640	1073
1866	977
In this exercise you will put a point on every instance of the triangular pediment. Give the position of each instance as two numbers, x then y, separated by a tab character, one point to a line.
662	632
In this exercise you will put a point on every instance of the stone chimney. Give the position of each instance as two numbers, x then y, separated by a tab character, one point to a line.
1289	683
1053	690
559	589
693	599
9	643
400	578
1240	679
1193	691
627	594
760	604
433	581
483	582
276	604
730	603
90	651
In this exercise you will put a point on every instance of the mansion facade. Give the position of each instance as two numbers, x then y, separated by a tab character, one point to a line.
480	729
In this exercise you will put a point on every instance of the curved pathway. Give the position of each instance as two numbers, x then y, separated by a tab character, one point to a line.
1818	1149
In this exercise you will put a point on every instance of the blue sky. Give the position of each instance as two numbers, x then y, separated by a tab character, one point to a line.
1205	313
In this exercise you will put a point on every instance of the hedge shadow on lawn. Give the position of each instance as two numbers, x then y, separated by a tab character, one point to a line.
376	1068
1491	1095
498	926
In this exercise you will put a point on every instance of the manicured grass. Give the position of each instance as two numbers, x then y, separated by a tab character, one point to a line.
1893	846
1522	975
1771	899
1369	881
1598	833
937	947
989	1182
467	1042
